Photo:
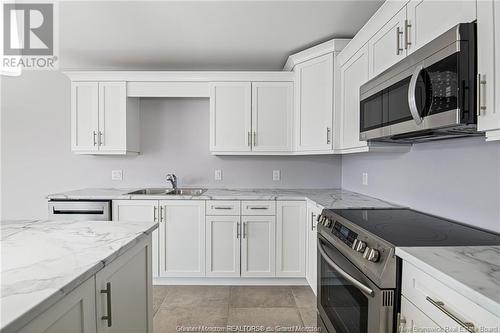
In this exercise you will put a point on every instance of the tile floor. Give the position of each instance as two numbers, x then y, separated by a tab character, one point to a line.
220	306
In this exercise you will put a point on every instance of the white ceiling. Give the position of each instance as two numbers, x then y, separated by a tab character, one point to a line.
205	35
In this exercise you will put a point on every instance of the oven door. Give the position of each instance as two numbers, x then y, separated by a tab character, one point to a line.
348	302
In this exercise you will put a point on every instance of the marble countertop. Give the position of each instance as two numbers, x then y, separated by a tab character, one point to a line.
44	260
324	198
472	271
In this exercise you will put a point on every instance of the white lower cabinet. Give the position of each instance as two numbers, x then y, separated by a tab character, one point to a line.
124	293
182	238
443	305
75	313
223	246
414	320
117	299
311	242
258	246
290	239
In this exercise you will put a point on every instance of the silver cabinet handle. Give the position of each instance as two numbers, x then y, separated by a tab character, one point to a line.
100	139
257	207
94	134
107	291
254	143
399	49
328	135
244	229
222	207
155	214
312	221
249	139
440	305
238	233
161	213
344	274
407	34
412	103
479	83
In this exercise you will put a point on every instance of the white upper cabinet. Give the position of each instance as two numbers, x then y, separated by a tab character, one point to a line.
353	74
103	119
314	93
488	80
230	116
387	47
427	19
84	116
272	112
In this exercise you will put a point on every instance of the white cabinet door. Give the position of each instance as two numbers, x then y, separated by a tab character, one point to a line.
314	93
258	246
290	239
223	246
488	42
311	263
124	292
230	116
84	116
182	238
430	18
272	112
414	320
139	210
386	47
112	116
353	74
75	313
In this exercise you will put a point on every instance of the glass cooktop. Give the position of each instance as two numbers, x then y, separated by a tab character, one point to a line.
406	227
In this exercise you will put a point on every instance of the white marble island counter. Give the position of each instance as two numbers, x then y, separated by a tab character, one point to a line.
42	261
472	271
325	198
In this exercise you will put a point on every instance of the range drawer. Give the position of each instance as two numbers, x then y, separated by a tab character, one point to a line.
258	208
443	305
222	207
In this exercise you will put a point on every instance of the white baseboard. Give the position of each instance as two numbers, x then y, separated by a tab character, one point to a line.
230	281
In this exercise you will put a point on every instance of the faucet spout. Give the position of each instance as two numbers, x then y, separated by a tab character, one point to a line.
172	178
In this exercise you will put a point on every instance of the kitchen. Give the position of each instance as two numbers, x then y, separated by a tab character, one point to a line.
270	135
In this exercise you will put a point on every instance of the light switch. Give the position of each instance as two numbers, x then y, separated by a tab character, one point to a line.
276	175
365	178
218	174
116	174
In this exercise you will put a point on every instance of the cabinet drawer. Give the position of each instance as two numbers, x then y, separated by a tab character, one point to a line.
258	208
219	207
441	304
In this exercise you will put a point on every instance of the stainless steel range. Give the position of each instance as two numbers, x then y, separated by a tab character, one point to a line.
359	276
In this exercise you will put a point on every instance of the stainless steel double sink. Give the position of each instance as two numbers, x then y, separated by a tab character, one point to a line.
169	191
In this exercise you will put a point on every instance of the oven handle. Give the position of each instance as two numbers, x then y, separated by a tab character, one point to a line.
412	103
349	278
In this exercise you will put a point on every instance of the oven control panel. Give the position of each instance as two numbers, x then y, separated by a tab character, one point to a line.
350	238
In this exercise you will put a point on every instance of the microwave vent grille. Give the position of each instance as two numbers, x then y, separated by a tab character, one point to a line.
387	297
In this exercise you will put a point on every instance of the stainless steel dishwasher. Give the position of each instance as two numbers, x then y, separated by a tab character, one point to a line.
98	210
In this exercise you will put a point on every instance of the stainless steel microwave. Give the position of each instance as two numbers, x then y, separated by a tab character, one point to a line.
429	95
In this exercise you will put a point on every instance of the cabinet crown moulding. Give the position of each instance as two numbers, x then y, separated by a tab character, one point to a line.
333	45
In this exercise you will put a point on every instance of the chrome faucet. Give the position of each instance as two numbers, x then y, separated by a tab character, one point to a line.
172	178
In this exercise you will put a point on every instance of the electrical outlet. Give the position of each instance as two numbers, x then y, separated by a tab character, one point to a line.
218	174
365	178
116	174
276	175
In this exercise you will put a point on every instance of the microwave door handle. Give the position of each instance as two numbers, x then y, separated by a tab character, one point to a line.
344	274
411	95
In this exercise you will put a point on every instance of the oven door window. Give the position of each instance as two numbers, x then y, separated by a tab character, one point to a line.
345	305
